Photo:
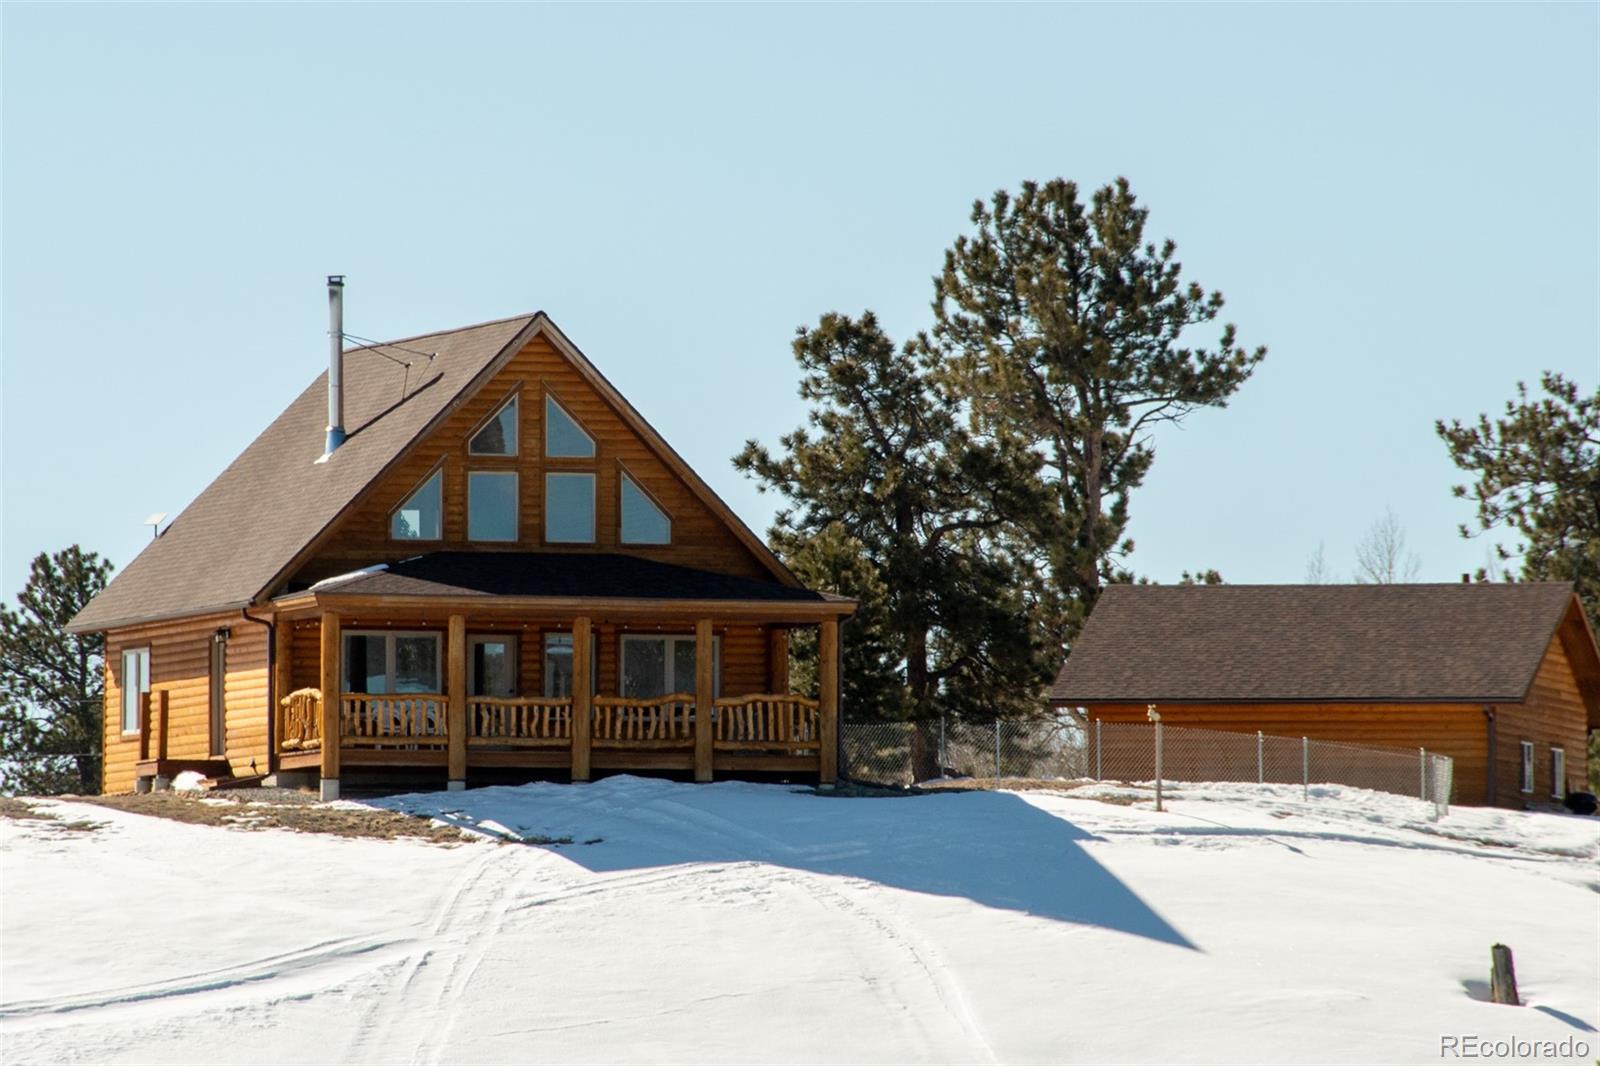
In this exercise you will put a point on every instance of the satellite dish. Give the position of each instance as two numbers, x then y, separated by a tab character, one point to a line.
154	522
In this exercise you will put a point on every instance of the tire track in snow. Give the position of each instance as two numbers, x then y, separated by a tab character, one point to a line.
923	955
329	955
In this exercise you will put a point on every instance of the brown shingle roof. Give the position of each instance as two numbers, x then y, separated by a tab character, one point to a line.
275	498
1244	643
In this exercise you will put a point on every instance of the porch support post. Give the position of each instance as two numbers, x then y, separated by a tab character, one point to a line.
704	676
455	719
582	698
331	700
282	683
777	661
828	694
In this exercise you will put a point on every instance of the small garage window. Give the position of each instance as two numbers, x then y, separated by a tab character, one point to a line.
1527	766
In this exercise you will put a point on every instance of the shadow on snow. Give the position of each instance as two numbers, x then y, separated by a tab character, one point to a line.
990	847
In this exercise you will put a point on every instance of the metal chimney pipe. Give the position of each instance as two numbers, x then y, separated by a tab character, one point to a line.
335	362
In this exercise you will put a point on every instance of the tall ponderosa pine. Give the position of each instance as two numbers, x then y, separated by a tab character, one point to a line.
891	489
1538	472
52	682
1068	334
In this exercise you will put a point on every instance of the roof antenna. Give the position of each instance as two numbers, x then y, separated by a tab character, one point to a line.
154	522
335	363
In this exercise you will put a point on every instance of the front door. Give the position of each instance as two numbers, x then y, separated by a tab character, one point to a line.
491	666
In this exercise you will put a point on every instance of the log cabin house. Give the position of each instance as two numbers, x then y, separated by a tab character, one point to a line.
1503	678
485	558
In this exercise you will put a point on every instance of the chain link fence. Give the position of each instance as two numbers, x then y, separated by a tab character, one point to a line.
901	754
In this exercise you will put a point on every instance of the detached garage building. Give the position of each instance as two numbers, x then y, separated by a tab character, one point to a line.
1504	678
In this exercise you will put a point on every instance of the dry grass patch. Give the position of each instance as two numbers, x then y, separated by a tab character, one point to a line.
22	810
301	812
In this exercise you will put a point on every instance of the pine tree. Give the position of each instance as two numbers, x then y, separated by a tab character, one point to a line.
887	487
52	682
1538	472
1069	336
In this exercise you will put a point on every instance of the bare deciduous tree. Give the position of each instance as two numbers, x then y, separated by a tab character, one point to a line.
1317	572
1382	557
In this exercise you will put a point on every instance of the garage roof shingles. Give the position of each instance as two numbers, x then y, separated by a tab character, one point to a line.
1308	643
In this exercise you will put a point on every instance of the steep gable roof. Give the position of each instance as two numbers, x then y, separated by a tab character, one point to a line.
1328	643
244	534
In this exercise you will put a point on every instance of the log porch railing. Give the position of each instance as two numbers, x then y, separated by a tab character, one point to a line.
402	719
785	723
300	721
519	721
626	722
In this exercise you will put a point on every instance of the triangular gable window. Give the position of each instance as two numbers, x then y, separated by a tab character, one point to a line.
418	517
563	437
499	435
642	521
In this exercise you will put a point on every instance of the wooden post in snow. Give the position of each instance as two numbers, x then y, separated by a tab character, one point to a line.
1502	976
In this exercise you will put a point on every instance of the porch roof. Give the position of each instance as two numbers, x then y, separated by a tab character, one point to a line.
555	576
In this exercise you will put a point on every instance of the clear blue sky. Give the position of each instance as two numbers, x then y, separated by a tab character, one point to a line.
1399	200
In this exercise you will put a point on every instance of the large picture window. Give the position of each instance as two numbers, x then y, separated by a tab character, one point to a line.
419	517
135	683
656	666
569	508
385	663
642	521
492	505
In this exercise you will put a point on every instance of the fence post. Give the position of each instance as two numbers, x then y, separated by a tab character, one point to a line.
1305	768
1158	764
1422	774
943	758
1261	758
997	753
1097	776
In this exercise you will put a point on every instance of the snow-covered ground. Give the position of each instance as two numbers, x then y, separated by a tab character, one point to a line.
737	923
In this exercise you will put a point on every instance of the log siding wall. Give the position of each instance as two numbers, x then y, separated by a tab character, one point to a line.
699	537
180	665
746	650
1553	714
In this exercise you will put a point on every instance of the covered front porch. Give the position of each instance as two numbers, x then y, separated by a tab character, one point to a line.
426	681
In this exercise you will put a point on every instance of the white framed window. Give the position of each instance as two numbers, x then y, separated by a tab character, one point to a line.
558	664
497	436
1558	772
135	683
419	517
652	666
492	505
569	508
564	438
383	662
1527	766
491	665
643	520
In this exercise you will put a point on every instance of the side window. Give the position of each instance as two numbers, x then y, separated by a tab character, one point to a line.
642	521
1527	766
1558	773
135	682
498	435
563	437
418	517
